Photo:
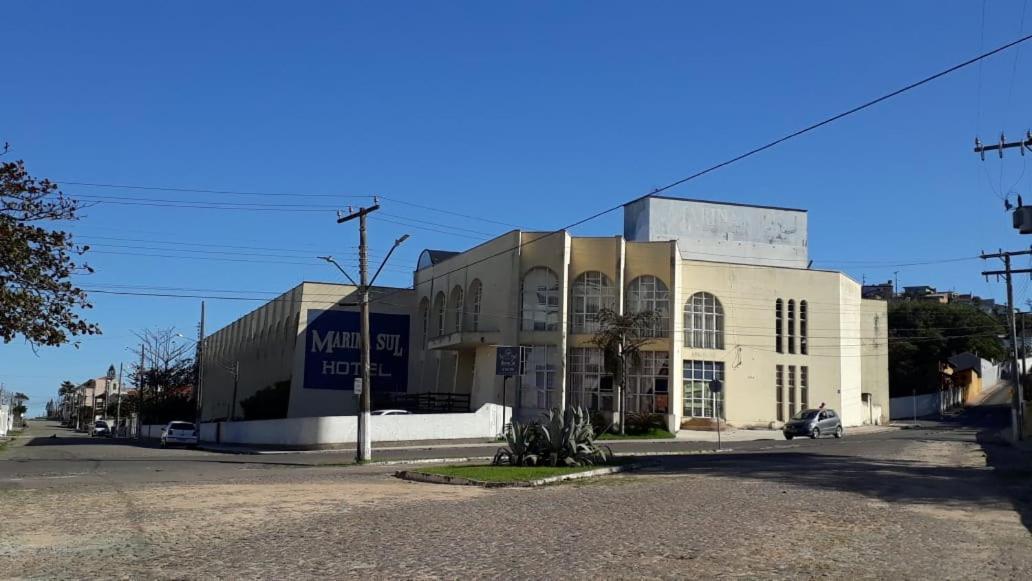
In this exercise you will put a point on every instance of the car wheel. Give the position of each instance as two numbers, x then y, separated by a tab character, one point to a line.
816	433
838	432
788	436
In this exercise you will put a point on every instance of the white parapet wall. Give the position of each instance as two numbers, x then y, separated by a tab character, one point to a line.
318	431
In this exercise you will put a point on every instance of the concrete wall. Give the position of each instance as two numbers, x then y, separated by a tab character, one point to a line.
747	295
721	231
990	374
5	420
486	422
874	354
261	343
902	408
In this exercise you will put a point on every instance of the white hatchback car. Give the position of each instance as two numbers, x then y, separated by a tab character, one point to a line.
181	433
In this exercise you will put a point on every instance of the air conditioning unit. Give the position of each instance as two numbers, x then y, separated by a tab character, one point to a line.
1023	219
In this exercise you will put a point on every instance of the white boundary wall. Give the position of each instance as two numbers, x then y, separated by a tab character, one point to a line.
486	422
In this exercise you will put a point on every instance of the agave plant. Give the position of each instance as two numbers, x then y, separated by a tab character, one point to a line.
568	438
560	438
521	440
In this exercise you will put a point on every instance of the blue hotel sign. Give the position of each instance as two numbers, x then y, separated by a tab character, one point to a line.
333	358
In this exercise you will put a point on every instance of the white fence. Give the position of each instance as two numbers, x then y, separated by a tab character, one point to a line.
925	405
5	420
486	422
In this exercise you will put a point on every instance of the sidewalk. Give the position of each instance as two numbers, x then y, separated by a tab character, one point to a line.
685	439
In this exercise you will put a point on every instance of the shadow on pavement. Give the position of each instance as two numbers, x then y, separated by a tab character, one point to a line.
888	480
1012	466
88	441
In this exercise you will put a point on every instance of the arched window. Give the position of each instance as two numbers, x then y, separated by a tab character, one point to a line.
540	300
648	293
424	320
791	326
803	332
703	322
439	313
779	322
476	297
455	308
591	292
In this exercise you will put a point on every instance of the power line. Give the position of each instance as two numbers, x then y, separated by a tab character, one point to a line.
284	194
754	151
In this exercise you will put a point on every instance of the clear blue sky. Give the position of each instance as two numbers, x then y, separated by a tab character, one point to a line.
532	114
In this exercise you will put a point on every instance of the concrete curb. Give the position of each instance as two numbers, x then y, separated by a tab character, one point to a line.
456	480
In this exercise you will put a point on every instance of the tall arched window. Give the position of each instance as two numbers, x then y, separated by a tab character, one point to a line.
424	319
803	331
791	326
779	325
476	297
591	292
703	322
648	293
439	313
455	309
540	300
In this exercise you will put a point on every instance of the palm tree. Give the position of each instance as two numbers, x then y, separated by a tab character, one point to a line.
67	391
621	338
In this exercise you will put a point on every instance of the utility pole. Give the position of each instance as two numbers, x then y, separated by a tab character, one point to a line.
364	448
118	405
1024	354
236	382
1007	273
143	380
200	371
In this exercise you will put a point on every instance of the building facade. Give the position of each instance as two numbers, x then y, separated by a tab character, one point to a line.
302	349
734	297
730	286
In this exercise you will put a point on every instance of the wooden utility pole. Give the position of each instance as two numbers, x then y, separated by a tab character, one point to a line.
364	448
118	404
143	380
200	371
1007	273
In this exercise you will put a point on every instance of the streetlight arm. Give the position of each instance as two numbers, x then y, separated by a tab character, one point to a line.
340	268
397	243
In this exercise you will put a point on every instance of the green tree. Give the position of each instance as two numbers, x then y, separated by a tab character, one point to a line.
37	298
923	334
621	338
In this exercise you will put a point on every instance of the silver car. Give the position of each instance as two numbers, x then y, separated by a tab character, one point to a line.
814	423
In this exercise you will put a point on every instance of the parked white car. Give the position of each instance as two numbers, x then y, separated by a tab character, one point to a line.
179	433
390	413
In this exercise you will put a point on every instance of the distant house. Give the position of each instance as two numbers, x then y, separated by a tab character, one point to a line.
883	291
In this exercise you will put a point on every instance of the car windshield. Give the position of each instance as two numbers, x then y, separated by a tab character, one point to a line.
100	425
180	426
806	415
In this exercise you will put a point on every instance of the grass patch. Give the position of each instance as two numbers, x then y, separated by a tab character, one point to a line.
653	434
488	473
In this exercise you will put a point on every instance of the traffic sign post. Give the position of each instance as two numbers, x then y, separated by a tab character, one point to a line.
716	386
507	364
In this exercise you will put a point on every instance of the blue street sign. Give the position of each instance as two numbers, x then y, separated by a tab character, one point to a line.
507	360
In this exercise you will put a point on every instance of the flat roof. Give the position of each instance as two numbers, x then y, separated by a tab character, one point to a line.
739	204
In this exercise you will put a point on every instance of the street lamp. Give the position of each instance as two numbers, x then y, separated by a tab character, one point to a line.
363	448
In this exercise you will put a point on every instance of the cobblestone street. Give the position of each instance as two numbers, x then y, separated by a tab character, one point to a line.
907	504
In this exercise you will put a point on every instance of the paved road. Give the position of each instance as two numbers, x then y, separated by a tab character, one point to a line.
945	501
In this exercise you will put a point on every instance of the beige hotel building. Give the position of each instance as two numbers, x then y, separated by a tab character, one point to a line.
733	286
